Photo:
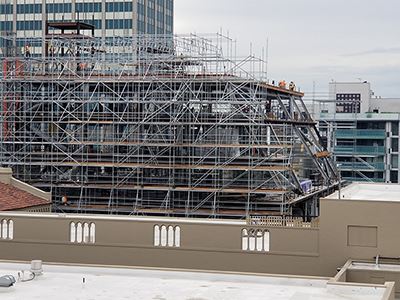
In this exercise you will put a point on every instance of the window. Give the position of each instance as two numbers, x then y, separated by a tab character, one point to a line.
167	236
119	6
395	145
6	26
141	9
119	24
395	161
394	176
96	23
395	128
59	7
6	229
348	103
6	9
29	25
90	7
255	240
82	233
29	8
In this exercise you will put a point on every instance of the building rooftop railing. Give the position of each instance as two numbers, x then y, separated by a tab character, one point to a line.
359	179
360	134
361	166
282	221
360	150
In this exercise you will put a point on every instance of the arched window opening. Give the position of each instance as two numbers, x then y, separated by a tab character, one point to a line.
167	236
92	233
82	233
245	240
259	240
266	241
85	232
4	229
252	240
72	232
255	240
177	236
156	235
79	233
163	236
170	236
10	229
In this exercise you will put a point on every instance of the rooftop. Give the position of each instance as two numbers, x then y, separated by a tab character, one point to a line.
12	198
16	195
369	192
82	282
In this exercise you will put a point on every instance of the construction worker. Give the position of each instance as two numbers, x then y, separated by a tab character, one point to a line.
292	86
51	50
27	50
282	84
64	200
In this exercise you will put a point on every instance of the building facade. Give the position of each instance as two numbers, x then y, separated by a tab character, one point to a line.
27	18
16	195
362	131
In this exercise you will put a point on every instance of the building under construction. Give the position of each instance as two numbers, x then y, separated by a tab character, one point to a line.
167	125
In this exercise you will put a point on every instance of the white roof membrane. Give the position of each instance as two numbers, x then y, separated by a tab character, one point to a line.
369	192
72	282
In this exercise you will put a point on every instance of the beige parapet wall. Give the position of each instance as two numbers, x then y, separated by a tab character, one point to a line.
348	229
207	245
358	229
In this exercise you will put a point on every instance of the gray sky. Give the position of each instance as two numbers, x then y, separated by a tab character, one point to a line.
309	40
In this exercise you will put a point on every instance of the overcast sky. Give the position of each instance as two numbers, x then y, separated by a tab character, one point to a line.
309	40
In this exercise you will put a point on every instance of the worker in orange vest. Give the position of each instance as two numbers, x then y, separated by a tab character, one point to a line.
282	84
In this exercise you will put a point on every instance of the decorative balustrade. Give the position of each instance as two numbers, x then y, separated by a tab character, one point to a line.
279	221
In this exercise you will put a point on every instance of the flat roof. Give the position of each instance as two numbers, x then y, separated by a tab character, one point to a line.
63	282
369	192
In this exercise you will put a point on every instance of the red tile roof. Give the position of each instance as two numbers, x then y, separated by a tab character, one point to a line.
12	198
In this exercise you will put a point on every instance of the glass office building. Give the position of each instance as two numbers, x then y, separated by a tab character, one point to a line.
27	18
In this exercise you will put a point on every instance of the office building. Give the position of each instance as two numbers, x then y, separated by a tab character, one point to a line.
110	18
362	131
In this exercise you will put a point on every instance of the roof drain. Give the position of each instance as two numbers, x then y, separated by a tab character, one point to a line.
36	267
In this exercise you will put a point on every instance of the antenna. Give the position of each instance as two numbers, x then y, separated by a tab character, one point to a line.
266	58
313	100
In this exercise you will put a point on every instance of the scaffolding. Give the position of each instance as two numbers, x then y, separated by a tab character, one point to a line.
159	125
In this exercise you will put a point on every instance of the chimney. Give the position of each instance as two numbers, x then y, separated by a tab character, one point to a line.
5	175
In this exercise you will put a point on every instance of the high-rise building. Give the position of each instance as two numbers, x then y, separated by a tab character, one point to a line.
362	131
27	18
